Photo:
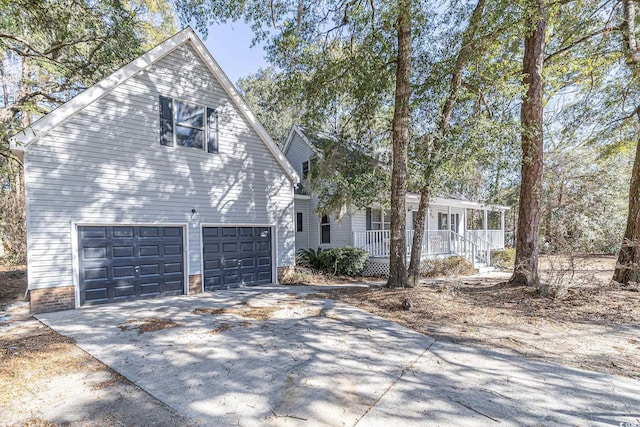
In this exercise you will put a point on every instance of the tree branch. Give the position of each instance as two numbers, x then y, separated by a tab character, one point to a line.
604	31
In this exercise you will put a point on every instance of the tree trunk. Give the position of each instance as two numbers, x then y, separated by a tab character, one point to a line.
418	233
628	265
432	151
401	123
531	117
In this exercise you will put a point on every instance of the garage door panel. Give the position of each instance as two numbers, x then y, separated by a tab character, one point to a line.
124	272
247	263
129	262
91	232
229	232
122	251
172	250
121	232
174	287
230	247
172	267
243	258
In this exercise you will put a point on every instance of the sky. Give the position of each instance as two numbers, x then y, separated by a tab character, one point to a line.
230	46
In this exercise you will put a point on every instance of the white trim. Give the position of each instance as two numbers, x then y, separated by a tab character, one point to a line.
274	245
75	264
27	136
302	196
70	108
456	203
75	270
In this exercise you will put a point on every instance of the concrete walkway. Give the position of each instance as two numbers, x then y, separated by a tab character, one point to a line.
319	362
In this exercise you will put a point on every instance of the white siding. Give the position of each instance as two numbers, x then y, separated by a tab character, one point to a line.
302	237
433	217
359	221
298	152
106	165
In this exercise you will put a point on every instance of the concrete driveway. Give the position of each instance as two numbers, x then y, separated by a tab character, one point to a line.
272	356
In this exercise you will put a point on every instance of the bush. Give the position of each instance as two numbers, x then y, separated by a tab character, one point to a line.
308	258
503	258
451	266
347	261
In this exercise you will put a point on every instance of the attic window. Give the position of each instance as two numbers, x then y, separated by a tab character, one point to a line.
188	125
305	169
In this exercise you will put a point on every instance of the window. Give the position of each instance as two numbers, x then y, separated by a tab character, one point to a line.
443	221
188	125
299	221
325	230
446	223
305	169
494	220
377	219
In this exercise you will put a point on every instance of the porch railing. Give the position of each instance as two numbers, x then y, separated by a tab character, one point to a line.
436	242
494	237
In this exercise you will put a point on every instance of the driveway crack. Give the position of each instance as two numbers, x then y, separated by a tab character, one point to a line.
404	371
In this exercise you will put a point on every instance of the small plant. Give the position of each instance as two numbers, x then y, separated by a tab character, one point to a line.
503	258
308	258
451	266
347	261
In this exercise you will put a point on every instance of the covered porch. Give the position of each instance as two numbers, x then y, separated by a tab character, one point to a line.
453	227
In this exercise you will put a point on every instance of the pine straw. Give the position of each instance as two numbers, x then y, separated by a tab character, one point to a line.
593	327
151	324
246	310
28	359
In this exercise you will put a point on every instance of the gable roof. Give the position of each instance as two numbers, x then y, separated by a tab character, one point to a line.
21	140
295	129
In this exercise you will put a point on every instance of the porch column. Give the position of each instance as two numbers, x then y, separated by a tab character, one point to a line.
427	228
449	226
486	225
502	226
464	229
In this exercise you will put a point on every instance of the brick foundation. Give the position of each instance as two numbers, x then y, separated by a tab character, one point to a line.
52	299
195	284
284	270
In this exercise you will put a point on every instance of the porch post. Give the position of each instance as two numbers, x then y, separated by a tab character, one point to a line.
449	226
486	225
464	229
427	228
502	225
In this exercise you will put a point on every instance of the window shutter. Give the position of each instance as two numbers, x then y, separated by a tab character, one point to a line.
439	220
212	130
368	218
166	121
414	215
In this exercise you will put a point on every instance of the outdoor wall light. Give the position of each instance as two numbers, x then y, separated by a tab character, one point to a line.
194	214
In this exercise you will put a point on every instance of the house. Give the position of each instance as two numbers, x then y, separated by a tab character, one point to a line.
157	180
453	227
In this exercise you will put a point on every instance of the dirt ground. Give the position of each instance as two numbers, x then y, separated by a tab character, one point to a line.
46	380
593	324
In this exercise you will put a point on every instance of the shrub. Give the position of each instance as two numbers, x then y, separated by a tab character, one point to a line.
503	258
451	266
308	258
347	261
